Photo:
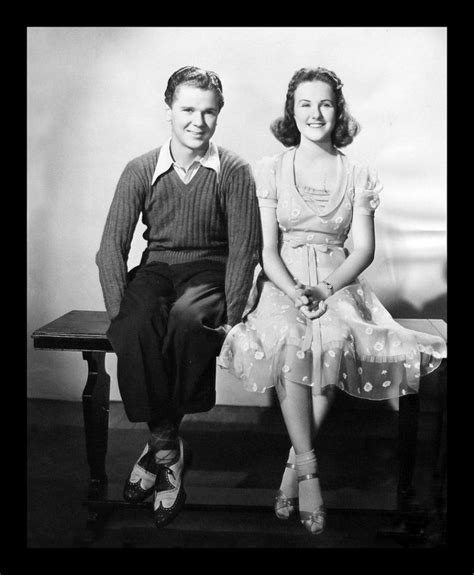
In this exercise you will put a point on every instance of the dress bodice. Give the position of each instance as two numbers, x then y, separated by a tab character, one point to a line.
298	220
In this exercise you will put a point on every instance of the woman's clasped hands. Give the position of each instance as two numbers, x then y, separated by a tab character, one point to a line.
310	300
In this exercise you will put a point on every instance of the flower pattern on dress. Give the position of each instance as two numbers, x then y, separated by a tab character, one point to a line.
349	339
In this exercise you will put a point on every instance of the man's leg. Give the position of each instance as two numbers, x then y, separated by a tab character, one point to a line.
190	348
137	336
193	341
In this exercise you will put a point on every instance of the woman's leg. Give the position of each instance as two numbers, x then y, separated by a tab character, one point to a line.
321	406
297	408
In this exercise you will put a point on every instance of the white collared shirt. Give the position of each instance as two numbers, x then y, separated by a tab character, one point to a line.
165	161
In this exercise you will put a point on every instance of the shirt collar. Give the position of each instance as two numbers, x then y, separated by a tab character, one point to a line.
165	160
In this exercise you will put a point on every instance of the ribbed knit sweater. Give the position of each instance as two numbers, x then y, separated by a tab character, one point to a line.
208	218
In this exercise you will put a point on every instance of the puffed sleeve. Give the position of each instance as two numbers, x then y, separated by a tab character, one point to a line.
367	188
265	180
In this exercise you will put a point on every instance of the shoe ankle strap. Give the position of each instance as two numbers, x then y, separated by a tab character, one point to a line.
291	465
308	476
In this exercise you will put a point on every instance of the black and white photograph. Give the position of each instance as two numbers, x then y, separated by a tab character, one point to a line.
236	287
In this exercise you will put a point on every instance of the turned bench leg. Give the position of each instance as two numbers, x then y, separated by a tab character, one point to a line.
409	410
95	404
412	523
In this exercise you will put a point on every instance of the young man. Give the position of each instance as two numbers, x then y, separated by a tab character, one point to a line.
169	316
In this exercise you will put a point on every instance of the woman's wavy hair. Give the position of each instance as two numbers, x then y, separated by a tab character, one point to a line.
197	77
284	128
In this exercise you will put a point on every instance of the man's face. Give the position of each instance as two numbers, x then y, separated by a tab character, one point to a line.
193	116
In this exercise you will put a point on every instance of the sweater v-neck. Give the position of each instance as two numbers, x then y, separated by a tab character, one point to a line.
186	187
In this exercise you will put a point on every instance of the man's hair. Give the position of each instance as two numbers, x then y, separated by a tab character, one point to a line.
197	77
346	128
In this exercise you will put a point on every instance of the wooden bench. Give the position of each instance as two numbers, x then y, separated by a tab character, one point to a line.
85	332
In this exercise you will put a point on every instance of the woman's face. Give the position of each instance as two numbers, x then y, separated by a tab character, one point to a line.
315	111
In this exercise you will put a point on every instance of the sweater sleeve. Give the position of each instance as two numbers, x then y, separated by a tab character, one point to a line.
244	237
117	236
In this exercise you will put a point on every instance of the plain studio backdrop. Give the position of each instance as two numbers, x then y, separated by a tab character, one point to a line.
95	101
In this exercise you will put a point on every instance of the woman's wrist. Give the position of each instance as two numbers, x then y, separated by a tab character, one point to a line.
327	287
292	293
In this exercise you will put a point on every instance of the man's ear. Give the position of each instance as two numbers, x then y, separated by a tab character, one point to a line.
168	113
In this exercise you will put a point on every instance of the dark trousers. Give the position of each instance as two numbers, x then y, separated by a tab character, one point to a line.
166	340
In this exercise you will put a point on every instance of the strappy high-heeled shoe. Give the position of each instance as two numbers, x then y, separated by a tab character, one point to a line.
314	521
285	506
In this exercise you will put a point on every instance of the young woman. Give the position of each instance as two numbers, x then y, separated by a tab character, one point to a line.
317	324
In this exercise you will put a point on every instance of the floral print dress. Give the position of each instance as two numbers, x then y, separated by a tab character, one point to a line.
356	345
